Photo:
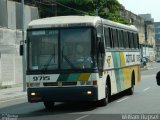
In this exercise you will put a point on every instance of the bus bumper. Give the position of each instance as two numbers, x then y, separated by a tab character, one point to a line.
63	94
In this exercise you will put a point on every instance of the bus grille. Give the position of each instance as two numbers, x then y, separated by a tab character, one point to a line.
57	84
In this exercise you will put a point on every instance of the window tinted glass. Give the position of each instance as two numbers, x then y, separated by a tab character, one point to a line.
107	38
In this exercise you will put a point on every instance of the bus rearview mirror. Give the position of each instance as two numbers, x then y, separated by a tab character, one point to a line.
21	50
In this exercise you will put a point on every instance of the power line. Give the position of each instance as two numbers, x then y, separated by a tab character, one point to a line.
57	3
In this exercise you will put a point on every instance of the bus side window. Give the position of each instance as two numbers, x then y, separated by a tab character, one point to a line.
120	39
126	39
136	41
131	40
115	38
107	38
111	37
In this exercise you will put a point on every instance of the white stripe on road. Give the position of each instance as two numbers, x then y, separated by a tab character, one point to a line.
3	101
152	68
82	117
146	89
122	99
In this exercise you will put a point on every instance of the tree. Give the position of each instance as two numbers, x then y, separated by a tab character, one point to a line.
108	9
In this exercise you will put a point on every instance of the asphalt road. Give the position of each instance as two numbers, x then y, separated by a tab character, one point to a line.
146	100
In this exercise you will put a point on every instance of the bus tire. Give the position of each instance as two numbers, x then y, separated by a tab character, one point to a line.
105	100
130	91
49	105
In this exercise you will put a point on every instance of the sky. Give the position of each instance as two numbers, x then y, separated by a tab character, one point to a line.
143	7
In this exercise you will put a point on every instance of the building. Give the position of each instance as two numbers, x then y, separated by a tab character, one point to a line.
144	24
10	37
149	49
157	37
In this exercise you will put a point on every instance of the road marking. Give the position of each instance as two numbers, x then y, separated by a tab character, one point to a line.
150	76
82	117
152	68
122	99
3	101
146	89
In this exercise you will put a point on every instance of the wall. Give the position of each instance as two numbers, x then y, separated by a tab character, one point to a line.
10	37
11	14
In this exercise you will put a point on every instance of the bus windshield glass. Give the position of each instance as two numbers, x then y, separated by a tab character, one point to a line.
60	49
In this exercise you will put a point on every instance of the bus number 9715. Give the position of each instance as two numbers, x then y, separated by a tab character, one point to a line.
39	78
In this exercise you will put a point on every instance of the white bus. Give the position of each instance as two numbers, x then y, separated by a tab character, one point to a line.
80	58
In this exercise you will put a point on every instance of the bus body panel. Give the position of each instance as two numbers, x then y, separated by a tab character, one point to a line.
119	67
62	94
67	82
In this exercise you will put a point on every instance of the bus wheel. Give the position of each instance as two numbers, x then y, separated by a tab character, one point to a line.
105	100
130	91
49	105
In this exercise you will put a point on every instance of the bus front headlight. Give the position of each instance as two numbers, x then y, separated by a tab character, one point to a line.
89	92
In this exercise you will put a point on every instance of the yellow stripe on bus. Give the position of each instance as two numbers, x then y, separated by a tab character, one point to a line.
84	76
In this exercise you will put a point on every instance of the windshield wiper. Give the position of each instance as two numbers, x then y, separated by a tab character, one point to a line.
49	60
68	61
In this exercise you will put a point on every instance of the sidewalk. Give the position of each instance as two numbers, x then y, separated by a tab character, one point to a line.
12	93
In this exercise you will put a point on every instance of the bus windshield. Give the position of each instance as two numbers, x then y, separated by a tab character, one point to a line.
60	49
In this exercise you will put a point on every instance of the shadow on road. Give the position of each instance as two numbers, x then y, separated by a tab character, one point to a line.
70	107
30	111
118	96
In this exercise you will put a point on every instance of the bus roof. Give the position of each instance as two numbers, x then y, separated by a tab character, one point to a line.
64	21
68	21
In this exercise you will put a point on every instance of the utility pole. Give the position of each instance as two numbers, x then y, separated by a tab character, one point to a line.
146	37
97	7
23	42
55	3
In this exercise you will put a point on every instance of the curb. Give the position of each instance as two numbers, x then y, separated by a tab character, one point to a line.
10	86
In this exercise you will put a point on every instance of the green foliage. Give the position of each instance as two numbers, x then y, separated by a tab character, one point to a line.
107	9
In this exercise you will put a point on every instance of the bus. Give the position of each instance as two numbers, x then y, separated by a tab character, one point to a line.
80	58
